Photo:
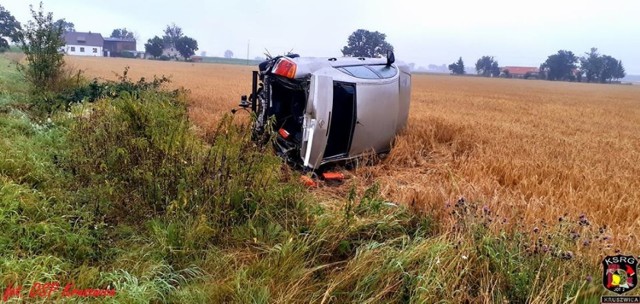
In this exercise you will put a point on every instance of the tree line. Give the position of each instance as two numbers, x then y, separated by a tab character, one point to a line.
593	66
10	30
156	46
564	66
173	39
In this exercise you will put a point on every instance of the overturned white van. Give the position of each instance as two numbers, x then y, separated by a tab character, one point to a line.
330	109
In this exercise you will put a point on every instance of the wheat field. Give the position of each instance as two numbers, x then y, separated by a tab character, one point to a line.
533	153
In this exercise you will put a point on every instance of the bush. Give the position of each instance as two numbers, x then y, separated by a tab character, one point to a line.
138	157
41	42
164	58
79	90
113	89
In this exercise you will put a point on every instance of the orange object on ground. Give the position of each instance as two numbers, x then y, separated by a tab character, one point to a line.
337	176
283	133
307	181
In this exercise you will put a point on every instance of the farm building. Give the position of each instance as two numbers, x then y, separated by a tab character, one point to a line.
93	44
115	46
520	72
83	44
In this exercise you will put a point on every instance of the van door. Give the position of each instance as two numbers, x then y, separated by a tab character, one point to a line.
316	121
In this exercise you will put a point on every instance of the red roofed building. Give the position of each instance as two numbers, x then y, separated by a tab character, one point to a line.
521	72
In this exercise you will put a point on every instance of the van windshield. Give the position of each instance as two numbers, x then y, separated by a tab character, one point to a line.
359	71
384	71
370	71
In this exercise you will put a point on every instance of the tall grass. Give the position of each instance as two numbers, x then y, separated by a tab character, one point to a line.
139	159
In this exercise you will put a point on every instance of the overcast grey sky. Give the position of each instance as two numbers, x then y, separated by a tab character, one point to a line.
520	33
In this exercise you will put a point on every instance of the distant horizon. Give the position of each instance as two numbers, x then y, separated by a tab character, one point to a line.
418	69
633	77
515	33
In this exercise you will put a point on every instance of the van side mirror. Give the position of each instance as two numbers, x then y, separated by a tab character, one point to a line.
391	58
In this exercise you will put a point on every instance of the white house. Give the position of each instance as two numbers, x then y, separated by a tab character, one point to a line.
83	44
170	51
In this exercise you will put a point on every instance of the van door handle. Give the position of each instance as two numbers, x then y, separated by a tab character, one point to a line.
328	125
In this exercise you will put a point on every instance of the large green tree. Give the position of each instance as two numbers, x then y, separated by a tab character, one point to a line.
171	34
487	66
9	28
560	66
66	25
364	43
173	38
457	68
122	33
611	69
591	65
186	46
154	46
601	68
619	71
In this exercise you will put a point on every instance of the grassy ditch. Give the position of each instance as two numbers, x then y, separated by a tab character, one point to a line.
113	190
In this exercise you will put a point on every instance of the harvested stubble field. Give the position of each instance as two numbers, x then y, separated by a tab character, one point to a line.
531	152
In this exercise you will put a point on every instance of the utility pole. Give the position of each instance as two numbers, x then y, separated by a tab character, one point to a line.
248	43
